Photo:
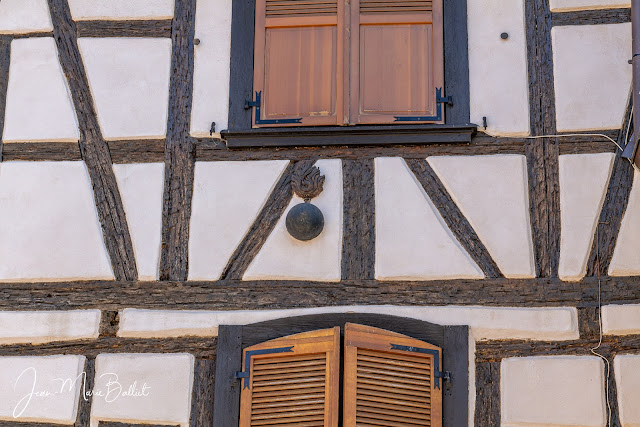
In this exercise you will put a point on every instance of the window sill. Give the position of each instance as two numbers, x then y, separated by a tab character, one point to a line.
349	135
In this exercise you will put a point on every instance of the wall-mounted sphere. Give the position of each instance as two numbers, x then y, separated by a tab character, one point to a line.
305	221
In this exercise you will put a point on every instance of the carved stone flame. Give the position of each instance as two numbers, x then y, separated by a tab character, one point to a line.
307	182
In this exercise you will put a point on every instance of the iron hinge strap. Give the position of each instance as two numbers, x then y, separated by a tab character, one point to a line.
247	362
438	117
446	376
258	120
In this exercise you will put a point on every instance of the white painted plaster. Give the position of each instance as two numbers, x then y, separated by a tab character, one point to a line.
552	391
121	9
621	319
39	105
493	193
583	185
49	227
283	257
19	327
627	372
211	72
129	80
626	256
591	75
498	78
141	187
568	5
168	379
23	16
57	380
485	323
227	197
412	240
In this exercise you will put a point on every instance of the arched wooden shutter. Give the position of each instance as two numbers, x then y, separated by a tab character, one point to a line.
397	62
390	379
299	62
292	381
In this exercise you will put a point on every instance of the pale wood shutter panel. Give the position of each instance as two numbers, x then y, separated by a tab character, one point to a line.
299	62
387	386
397	61
293	381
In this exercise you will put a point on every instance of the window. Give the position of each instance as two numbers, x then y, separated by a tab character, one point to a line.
387	376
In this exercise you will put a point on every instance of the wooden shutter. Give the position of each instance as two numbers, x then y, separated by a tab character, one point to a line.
396	61
293	381
390	379
299	62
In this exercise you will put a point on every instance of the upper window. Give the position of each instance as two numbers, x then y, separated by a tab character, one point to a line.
331	62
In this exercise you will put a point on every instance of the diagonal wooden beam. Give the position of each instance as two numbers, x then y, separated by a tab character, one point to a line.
180	152
263	225
93	148
453	216
542	154
614	206
5	58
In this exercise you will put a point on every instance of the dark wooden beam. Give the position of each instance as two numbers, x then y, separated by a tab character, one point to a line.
614	206
262	227
589	322
5	58
84	404
109	323
32	34
542	154
613	411
591	17
128	28
487	394
93	148
179	150
203	393
359	225
453	217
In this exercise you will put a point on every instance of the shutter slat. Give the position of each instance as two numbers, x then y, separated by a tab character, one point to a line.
366	401
307	7
381	398
408	416
291	403
386	6
380	422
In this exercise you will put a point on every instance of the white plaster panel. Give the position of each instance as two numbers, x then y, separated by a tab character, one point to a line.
39	105
412	240
626	256
627	372
129	80
552	391
211	72
493	193
23	16
121	9
143	388
227	197
17	327
485	323
498	78
283	257
591	75
40	389
621	319
141	187
583	184
49	227
568	5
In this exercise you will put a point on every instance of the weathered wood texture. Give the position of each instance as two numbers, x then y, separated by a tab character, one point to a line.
542	154
180	150
589	322
359	234
227	389
109	323
614	206
203	389
487	394
272	294
84	405
453	217
263	225
128	28
5	57
93	148
613	411
591	17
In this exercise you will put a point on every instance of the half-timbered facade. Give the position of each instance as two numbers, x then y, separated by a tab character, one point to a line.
318	212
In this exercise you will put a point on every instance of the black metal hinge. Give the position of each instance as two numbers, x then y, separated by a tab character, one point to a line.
446	376
438	117
258	104
247	362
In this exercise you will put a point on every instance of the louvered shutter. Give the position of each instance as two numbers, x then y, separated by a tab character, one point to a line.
390	379
299	62
293	381
396	61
